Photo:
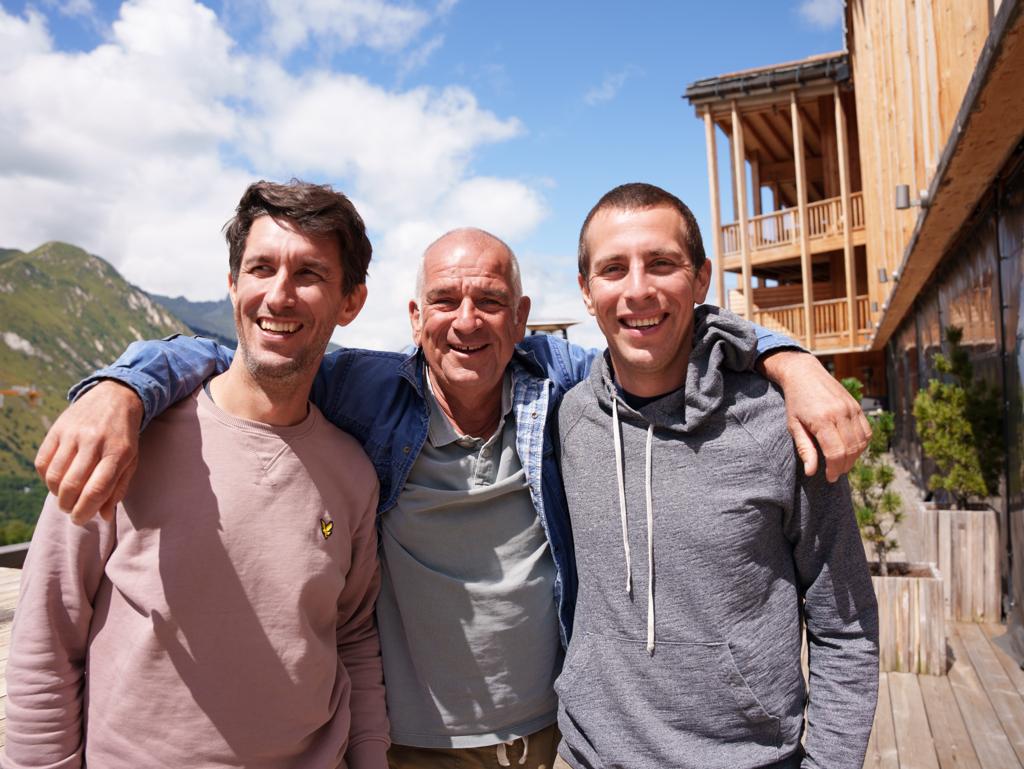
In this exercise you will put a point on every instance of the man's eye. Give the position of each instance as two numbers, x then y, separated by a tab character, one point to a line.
612	269
261	269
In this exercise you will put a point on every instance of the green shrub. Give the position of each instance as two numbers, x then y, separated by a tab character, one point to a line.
958	424
877	506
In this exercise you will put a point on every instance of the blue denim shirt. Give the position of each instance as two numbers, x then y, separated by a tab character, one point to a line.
378	398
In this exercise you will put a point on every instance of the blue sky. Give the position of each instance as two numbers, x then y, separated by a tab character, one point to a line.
132	128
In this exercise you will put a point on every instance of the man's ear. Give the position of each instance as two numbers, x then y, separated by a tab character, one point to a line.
352	304
232	290
585	288
415	321
522	315
702	283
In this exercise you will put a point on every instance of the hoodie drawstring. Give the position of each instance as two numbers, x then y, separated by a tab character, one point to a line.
620	472
622	492
650	545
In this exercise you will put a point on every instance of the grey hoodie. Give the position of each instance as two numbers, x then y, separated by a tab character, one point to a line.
694	573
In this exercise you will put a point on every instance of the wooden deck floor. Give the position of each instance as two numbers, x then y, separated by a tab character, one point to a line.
971	719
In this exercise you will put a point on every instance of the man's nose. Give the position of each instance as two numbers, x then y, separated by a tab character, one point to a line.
466	317
638	283
281	292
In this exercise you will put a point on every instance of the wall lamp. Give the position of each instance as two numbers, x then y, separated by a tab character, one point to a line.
903	200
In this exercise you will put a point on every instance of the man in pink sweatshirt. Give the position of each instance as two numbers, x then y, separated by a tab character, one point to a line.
225	618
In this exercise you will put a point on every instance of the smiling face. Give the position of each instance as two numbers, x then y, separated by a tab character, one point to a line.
641	289
287	300
468	319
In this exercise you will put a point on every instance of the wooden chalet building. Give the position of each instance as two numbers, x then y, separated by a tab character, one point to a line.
829	246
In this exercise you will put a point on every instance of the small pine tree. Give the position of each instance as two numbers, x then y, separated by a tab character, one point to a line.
958	424
877	506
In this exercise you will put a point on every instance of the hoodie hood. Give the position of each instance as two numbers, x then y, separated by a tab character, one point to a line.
721	340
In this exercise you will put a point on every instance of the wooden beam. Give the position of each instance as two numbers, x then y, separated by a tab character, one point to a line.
739	174
784	171
716	215
759	142
844	191
770	119
812	133
805	247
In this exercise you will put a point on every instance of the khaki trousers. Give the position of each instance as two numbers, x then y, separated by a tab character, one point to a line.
540	753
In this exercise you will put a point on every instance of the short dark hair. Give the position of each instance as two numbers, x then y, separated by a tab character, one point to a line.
317	211
637	196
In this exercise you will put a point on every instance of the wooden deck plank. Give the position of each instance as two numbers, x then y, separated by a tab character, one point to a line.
882	751
910	722
1013	670
990	742
1003	695
952	743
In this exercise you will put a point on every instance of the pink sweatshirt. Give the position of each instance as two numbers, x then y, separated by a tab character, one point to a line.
224	620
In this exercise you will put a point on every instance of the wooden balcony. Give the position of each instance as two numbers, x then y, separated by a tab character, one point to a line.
831	330
776	236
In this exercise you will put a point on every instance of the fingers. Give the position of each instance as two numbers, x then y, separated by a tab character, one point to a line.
842	442
94	491
805	448
44	457
120	489
89	454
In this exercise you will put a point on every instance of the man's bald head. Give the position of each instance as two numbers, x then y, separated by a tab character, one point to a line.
471	238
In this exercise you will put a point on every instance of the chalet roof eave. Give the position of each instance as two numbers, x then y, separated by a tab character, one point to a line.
828	68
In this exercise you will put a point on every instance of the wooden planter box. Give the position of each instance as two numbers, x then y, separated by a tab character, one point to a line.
964	545
911	622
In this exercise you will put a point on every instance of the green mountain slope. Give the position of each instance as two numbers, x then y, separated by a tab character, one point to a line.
215	320
63	313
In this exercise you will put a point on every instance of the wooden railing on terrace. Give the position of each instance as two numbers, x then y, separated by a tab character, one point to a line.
830	321
781	228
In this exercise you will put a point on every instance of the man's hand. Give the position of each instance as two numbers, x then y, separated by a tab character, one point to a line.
89	455
818	405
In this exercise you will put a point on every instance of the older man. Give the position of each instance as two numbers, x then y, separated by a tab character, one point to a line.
478	571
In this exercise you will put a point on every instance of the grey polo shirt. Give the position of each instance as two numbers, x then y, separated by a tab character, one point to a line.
468	623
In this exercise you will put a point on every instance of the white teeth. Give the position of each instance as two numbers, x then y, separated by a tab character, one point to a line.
642	323
466	348
279	326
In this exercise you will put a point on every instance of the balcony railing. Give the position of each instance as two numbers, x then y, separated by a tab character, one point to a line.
782	228
830	321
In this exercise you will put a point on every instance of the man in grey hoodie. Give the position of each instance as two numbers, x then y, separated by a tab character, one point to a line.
700	544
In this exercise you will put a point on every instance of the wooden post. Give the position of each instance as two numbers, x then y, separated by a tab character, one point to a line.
732	179
716	215
806	275
844	189
740	175
755	181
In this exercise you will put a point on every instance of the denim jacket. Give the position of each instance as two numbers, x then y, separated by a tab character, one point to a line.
381	403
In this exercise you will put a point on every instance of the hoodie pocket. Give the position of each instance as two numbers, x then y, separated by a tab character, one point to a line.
687	704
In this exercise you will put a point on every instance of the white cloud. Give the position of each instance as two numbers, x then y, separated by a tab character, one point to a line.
340	24
609	87
82	8
822	13
418	57
138	150
21	38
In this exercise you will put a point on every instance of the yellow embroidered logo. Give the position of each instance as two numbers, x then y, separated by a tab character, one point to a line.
326	527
